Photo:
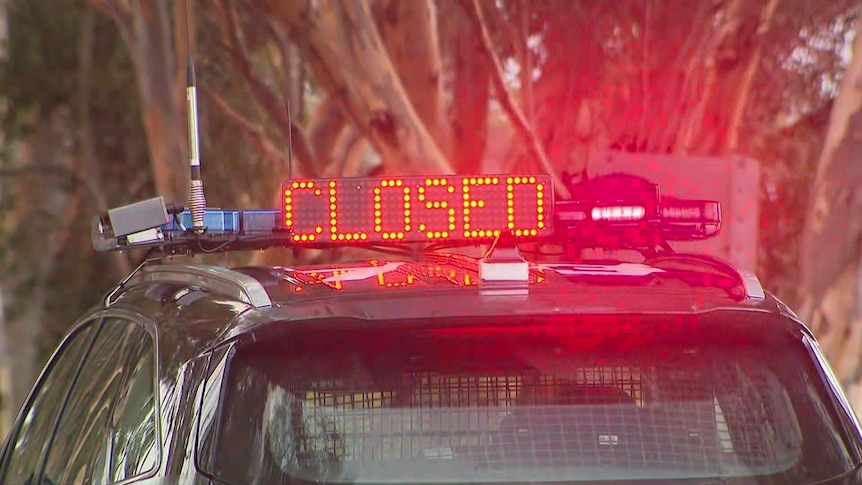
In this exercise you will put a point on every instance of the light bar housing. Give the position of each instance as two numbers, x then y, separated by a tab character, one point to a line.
684	220
138	216
623	211
614	211
233	229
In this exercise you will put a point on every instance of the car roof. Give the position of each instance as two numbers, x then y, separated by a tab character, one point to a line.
422	275
215	304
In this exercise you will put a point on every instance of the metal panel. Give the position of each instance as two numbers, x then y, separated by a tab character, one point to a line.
733	181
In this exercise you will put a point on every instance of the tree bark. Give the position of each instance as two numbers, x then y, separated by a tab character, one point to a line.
522	128
91	172
145	26
526	62
409	32
743	89
347	55
563	115
57	208
7	397
471	89
327	123
832	236
273	104
725	57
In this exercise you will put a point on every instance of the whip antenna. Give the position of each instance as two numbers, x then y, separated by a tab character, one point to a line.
289	141
197	202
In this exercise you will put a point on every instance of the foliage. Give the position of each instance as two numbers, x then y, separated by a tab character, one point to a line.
41	84
39	72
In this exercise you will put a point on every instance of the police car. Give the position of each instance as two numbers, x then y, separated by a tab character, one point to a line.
528	362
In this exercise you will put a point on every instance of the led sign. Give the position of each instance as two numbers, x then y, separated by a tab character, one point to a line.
413	208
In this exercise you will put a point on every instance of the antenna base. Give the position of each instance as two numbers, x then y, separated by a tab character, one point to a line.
197	205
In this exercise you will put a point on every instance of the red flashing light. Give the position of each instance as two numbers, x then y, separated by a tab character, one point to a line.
690	210
416	208
690	219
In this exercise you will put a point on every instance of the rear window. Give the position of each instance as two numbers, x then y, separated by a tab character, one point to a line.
596	399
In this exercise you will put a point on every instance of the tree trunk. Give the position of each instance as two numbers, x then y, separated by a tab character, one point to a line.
743	88
522	129
8	401
327	123
725	57
349	58
409	32
89	166
145	26
269	100
48	146
832	237
561	94
471	89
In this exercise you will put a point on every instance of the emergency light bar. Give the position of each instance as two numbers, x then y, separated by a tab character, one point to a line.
689	219
614	211
624	211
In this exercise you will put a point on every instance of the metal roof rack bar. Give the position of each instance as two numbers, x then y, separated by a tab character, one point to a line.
753	288
220	280
110	297
747	280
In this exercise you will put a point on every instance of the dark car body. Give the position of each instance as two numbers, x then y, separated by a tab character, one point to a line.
675	370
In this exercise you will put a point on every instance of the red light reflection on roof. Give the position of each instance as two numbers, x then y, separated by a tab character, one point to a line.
381	275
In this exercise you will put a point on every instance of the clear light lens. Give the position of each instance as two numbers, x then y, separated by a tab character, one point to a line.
618	213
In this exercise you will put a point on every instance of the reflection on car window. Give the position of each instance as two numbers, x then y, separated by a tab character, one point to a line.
537	405
39	418
84	438
134	449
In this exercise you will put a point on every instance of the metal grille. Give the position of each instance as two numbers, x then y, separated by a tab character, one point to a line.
705	419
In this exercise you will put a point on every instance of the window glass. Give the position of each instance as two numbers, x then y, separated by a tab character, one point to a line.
134	450
40	415
526	401
84	436
209	403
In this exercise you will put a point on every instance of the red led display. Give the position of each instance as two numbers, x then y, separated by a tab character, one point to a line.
404	209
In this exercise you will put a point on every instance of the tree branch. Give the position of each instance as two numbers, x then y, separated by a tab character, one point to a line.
735	124
56	170
471	89
515	116
667	135
326	124
263	94
145	26
293	62
119	10
645	71
254	133
349	59
92	176
409	32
